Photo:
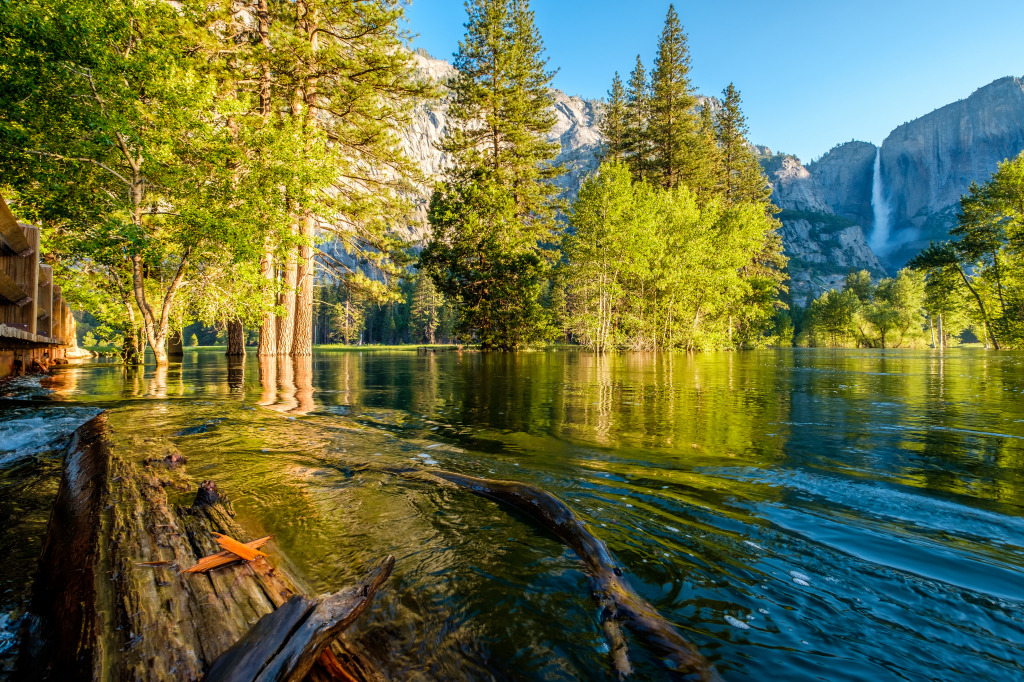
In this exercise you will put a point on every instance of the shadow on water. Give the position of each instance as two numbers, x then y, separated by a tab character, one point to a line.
800	514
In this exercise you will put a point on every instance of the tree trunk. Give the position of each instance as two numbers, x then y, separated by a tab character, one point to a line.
286	323
621	605
236	338
302	343
268	327
942	334
175	346
111	601
133	351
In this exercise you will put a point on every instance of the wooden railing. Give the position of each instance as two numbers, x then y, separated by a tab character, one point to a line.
31	307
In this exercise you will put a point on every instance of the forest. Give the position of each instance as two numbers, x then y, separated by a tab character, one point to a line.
232	172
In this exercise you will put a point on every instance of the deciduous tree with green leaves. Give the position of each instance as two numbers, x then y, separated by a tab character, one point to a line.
987	254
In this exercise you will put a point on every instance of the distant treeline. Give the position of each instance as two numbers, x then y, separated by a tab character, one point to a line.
970	287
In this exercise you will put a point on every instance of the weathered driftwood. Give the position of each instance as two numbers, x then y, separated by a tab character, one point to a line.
621	605
111	601
285	644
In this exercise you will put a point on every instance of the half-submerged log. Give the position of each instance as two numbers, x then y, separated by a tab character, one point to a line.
112	601
621	605
285	644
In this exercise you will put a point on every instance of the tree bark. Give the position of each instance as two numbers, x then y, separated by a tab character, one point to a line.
110	601
236	338
175	346
621	605
286	323
302	343
268	326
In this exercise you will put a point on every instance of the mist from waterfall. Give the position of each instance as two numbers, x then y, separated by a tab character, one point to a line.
879	241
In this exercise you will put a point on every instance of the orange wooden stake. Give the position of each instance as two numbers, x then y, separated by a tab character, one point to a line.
236	547
223	558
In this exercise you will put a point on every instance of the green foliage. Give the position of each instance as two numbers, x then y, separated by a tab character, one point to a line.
493	218
673	128
193	341
984	266
742	177
167	147
825	222
890	314
648	268
614	123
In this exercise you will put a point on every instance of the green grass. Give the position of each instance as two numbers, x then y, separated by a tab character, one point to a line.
403	346
102	349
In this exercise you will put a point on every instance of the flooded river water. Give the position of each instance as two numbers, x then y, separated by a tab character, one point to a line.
800	515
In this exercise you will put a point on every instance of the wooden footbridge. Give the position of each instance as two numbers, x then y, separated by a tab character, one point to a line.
36	325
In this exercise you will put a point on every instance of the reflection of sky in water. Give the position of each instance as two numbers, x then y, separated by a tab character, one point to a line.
802	515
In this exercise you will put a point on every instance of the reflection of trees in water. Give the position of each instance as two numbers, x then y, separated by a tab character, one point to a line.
721	404
286	383
236	374
913	417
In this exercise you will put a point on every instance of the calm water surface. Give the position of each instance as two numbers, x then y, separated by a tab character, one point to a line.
801	515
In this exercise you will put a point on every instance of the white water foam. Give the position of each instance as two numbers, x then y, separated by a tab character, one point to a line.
27	431
8	632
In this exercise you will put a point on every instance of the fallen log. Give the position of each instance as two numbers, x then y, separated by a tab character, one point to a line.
285	644
111	601
620	604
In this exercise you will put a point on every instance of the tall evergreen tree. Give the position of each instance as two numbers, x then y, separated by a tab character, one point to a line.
614	124
674	126
741	175
493	218
322	87
636	135
705	177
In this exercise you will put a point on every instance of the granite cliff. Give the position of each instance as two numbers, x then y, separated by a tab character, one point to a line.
924	167
824	243
822	251
827	209
929	163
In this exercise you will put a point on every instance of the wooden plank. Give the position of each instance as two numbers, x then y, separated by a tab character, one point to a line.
9	289
12	232
58	319
44	302
25	273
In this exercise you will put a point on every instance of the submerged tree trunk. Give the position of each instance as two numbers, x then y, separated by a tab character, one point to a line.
302	344
286	323
111	601
133	348
236	338
268	326
621	605
175	346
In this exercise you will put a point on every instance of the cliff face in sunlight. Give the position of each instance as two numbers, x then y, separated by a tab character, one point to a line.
827	215
822	244
925	166
929	163
576	132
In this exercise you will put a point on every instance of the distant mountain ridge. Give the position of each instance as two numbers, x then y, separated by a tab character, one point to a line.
925	166
827	212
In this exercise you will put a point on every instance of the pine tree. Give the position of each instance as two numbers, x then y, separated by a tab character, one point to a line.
674	124
614	124
742	176
705	177
425	310
637	134
324	86
494	215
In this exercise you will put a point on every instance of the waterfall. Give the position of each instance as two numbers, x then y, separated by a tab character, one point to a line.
879	241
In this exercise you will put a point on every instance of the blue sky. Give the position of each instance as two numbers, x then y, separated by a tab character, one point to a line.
813	73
